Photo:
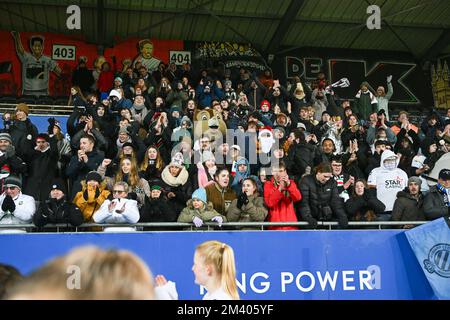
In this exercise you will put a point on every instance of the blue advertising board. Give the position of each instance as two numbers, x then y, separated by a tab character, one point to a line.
270	265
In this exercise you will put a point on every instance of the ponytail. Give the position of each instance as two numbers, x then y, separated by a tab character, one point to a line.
221	256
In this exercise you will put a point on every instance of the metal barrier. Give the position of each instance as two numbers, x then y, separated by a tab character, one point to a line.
39	109
174	226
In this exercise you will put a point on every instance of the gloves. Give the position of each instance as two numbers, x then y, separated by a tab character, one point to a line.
90	194
197	222
389	78
312	222
218	219
8	204
343	222
242	200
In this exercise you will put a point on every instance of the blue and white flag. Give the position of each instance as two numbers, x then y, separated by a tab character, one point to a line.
431	245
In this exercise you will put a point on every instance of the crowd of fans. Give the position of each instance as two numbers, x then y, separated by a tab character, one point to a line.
336	160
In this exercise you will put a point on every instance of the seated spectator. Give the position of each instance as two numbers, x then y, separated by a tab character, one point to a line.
388	180
198	210
220	193
153	164
120	209
280	194
409	203
321	200
437	201
57	208
157	208
249	206
363	204
16	207
206	169
344	181
91	196
242	173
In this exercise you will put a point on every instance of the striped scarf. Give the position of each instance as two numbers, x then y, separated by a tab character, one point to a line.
445	193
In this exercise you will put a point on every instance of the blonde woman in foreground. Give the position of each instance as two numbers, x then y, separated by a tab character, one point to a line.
214	268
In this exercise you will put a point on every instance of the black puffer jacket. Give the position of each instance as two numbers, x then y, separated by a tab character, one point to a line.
434	206
408	208
158	210
302	155
360	205
317	197
58	211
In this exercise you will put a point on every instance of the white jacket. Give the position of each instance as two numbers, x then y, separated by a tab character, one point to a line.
25	209
129	215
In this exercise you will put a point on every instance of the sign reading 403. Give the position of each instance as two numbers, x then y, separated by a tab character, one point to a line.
63	52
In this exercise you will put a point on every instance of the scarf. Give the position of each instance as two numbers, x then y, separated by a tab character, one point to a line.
445	192
138	108
285	192
172	181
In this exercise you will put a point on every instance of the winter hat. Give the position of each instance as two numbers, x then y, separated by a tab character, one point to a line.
13	181
128	144
364	83
200	194
118	79
444	174
95	176
266	103
42	136
415	180
301	125
174	108
58	184
5	136
5	171
235	146
115	93
155	186
207	155
123	130
279	128
177	160
23	107
53	122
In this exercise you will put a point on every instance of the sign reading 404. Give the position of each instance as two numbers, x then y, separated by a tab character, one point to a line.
180	57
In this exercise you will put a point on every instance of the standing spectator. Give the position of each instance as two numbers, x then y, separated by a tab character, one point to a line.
321	198
91	196
87	159
437	201
57	208
157	208
249	206
119	209
82	77
388	180
366	102
220	193
198	210
76	98
409	203
105	80
22	128
280	194
63	145
16	207
383	97
42	159
10	163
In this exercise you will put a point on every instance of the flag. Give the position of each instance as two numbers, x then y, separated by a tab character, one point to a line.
431	245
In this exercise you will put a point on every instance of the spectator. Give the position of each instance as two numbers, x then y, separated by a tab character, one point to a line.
366	102
16	207
383	97
363	204
57	208
10	163
388	180
403	122
249	206
87	159
82	77
91	196
105	80
63	145
344	181
157	208
302	155
179	187
280	194
120	209
220	193
206	168
22	128
437	201
152	166
321	200
198	210
242	173
409	203
76	98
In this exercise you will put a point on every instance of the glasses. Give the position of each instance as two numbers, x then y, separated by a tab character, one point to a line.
118	191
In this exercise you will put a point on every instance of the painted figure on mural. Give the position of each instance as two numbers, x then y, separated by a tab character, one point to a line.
146	56
36	67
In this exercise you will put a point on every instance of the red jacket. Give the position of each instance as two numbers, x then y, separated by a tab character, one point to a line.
105	81
281	208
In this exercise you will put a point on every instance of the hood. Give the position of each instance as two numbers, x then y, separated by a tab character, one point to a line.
388	154
208	207
186	118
